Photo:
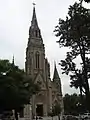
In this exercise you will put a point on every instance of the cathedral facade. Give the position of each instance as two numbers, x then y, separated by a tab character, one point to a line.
38	68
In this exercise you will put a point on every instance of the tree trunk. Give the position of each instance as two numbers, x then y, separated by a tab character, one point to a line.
88	102
81	96
85	72
83	57
16	115
58	117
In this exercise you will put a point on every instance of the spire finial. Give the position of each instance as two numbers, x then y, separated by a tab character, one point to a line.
34	19
13	60
34	4
54	63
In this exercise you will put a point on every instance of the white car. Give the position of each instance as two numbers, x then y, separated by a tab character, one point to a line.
85	115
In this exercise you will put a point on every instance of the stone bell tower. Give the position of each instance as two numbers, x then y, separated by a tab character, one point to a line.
35	66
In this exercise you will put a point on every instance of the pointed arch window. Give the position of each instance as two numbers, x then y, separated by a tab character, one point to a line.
36	32
37	59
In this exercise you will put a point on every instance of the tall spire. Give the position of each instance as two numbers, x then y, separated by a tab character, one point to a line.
34	22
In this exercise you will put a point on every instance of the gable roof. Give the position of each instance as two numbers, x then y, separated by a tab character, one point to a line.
39	79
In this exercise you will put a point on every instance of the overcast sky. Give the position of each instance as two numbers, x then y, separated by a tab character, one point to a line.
15	19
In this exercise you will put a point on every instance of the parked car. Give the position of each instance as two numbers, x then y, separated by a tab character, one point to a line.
85	115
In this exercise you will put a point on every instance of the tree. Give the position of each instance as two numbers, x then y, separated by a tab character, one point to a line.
86	1
16	88
72	104
74	33
56	110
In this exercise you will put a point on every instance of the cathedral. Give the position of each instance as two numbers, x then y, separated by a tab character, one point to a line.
38	68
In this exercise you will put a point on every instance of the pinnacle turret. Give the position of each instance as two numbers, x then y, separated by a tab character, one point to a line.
56	75
57	80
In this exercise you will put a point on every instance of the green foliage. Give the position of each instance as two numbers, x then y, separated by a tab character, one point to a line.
72	104
16	88
87	1
74	33
56	109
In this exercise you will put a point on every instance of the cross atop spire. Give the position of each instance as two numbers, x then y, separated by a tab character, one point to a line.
34	4
34	22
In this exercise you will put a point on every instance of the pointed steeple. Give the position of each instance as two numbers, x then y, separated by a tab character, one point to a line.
57	80
56	75
34	22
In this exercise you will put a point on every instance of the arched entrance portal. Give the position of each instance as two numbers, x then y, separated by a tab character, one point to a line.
39	110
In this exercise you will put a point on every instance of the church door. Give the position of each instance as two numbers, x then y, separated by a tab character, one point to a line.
39	110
